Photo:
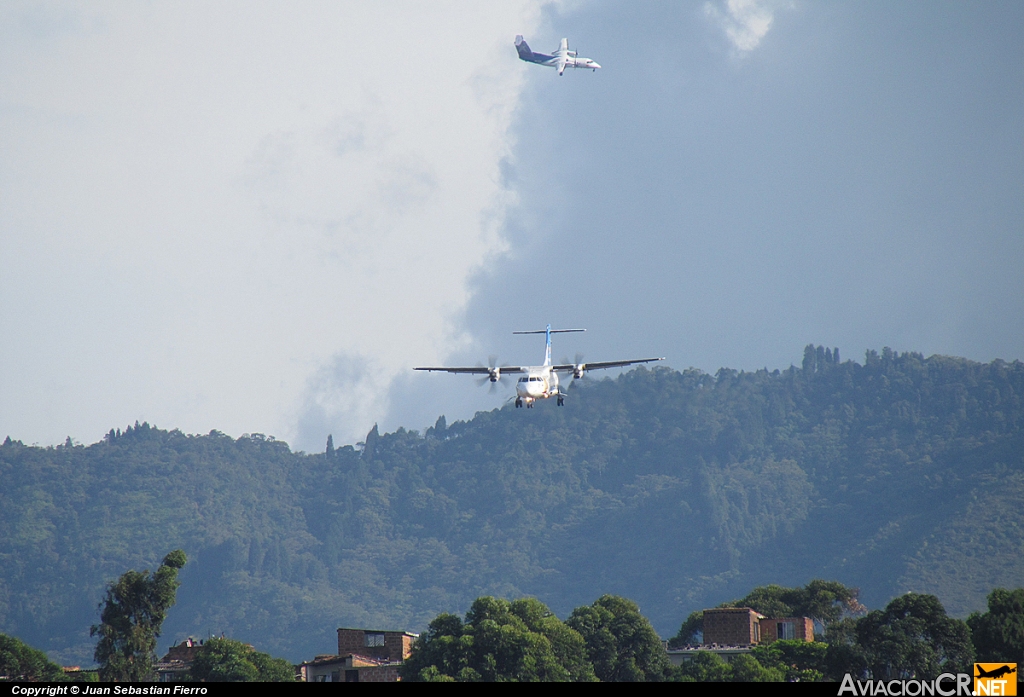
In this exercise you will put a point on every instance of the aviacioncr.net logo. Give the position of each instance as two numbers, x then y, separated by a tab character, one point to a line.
946	685
995	679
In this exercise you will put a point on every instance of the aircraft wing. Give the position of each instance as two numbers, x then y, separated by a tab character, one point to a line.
560	63
598	365
563	47
476	370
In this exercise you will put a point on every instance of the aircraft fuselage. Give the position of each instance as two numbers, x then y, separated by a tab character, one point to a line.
540	382
570	61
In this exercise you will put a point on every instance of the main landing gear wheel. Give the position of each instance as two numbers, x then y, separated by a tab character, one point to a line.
561	401
519	402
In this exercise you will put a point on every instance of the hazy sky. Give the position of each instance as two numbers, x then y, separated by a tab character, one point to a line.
258	217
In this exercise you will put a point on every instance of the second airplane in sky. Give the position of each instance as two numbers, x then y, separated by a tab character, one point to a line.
563	58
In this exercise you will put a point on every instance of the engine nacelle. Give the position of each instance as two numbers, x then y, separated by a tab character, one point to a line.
577	370
495	374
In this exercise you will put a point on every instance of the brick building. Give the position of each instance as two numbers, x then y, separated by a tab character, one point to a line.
732	626
364	655
376	643
731	631
741	626
801	628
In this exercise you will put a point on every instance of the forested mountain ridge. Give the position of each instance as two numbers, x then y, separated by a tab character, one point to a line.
677	489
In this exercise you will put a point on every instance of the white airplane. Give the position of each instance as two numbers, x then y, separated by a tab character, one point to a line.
540	381
563	58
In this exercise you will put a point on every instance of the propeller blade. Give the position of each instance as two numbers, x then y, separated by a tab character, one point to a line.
578	360
492	365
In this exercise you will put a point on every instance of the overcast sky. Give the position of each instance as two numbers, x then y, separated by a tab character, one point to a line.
258	217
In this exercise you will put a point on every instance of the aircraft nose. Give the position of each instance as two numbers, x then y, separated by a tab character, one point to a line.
594	65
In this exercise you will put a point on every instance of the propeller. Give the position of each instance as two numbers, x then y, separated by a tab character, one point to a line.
579	367
494	376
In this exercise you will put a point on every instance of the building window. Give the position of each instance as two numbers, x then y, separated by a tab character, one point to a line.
786	630
373	639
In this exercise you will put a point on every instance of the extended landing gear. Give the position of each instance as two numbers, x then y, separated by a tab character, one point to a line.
561	400
519	402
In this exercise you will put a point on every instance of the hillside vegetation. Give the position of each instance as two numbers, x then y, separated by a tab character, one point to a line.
679	490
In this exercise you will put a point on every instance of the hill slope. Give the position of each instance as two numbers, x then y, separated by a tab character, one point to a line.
677	489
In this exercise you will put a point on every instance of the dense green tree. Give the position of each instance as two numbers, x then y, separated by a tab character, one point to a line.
912	638
621	643
822	601
499	641
227	660
567	645
798	661
442	653
19	661
692	631
131	618
703	666
998	634
844	653
746	668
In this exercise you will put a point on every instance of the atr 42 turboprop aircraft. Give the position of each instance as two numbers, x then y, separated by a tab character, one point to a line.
541	381
563	58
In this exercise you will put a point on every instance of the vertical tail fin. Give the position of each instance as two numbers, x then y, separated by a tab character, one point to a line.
523	48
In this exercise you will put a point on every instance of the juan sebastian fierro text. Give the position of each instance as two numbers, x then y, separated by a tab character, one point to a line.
55	690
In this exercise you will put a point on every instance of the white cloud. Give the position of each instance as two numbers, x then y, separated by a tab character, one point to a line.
203	208
745	22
